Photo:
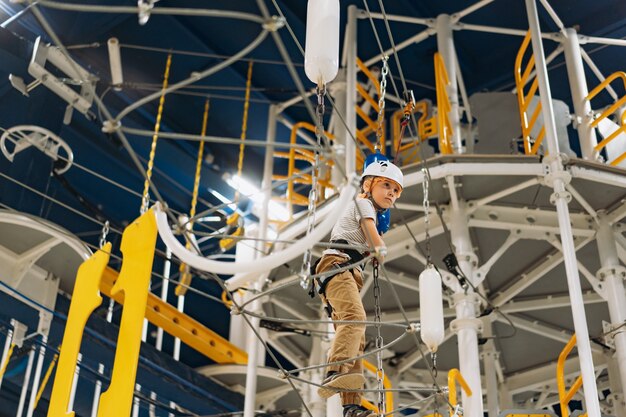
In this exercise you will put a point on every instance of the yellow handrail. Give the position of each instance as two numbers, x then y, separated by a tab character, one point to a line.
454	376
425	127
371	126
609	111
524	99
566	396
444	125
386	384
294	154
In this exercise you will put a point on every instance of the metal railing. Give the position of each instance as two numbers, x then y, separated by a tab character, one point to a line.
454	376
444	126
426	129
295	175
565	396
610	111
524	99
370	125
386	384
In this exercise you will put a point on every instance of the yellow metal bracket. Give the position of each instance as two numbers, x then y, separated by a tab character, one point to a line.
138	243
85	300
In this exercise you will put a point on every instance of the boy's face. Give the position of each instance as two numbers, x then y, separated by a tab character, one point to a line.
385	192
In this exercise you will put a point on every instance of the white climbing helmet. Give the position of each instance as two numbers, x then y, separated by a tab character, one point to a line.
384	169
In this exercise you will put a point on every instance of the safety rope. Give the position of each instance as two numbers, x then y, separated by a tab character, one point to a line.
145	201
305	278
380	372
235	218
185	273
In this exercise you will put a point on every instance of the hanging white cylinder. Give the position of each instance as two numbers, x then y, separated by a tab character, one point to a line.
321	55
431	308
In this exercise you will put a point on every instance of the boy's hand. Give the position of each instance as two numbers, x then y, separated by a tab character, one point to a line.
379	253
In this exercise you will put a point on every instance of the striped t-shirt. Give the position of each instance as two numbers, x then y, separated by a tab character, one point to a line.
348	227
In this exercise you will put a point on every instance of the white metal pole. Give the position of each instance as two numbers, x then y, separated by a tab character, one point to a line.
351	71
164	291
96	392
466	325
338	90
445	46
490	356
578	86
29	367
75	382
560	198
253	356
181	308
252	342
612	274
37	376
7	346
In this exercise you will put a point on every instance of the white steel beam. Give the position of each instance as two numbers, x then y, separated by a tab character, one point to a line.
542	329
552	259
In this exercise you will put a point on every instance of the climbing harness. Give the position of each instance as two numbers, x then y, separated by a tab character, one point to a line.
235	220
145	201
185	273
380	372
305	272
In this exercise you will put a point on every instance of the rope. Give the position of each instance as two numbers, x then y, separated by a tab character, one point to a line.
244	126
185	274
157	126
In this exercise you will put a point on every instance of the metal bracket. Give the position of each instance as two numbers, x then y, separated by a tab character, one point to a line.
557	195
607	271
607	329
39	137
46	55
469	323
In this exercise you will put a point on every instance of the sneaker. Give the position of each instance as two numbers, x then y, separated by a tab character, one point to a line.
354	410
341	381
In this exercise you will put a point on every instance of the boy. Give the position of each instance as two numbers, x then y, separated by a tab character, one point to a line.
381	185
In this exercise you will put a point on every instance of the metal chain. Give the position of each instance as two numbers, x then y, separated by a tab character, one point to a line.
103	235
381	100
426	206
313	193
433	359
380	372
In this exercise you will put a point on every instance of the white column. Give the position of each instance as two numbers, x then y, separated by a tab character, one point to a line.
338	90
466	325
578	86
351	71
490	357
558	177
37	376
164	292
29	367
612	274
254	347
75	382
445	46
7	346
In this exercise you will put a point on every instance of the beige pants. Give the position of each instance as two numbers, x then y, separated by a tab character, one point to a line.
342	293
